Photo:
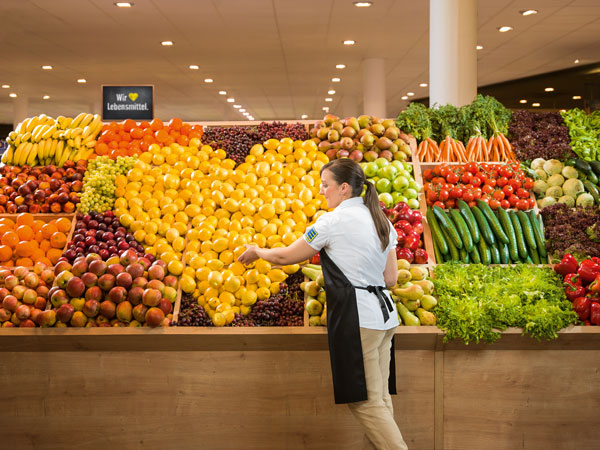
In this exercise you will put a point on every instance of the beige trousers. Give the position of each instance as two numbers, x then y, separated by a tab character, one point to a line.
377	413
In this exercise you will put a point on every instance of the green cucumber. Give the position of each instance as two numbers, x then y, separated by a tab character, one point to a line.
582	165
534	256
452	250
595	165
506	224
436	233
439	257
484	228
592	177
464	256
521	247
495	253
593	190
466	212
504	254
537	233
474	255
527	230
529	260
492	220
448	226
463	230
484	252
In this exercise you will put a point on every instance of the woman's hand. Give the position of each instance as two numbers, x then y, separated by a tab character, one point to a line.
250	255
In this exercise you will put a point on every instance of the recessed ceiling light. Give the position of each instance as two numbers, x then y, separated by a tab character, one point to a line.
304	116
166	43
237	106
231	100
242	110
423	85
504	29
577	97
194	67
528	12
362	4
12	94
331	92
5	86
47	67
336	80
349	42
523	101
46	97
124	4
410	94
404	97
222	92
208	80
328	99
340	66
479	47
250	117
82	80
576	61
246	113
325	108
535	105
549	89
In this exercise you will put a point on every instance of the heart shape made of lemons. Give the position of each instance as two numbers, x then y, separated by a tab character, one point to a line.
133	96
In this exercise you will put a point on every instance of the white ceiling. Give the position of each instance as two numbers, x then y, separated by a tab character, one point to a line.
276	57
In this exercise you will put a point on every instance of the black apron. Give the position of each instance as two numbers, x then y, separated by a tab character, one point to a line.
343	334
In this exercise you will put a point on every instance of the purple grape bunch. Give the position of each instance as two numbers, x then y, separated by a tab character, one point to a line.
191	314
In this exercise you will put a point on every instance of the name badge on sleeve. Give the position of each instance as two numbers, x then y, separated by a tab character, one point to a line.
311	234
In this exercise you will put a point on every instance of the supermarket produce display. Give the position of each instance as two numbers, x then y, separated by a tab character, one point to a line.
141	223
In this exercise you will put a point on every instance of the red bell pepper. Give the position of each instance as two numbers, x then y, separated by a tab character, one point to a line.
574	291
582	306
588	271
595	313
594	287
572	279
566	265
316	259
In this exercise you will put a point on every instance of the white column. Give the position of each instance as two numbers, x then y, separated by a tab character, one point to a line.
20	110
374	101
350	106
452	52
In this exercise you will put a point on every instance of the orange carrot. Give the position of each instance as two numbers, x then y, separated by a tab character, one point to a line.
463	151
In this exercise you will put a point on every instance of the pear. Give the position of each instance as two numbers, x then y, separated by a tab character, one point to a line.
314	307
314	321
428	302
333	135
426	317
426	285
388	123
324	146
403	276
324	317
352	122
322	297
313	288
418	273
368	140
414	292
347	143
337	126
323	132
330	118
377	129
408	318
321	280
403	265
349	132
383	143
392	133
364	121
312	274
411	305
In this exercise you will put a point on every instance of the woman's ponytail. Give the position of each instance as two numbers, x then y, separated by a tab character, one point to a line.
382	224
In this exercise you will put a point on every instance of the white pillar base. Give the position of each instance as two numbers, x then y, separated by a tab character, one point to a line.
374	101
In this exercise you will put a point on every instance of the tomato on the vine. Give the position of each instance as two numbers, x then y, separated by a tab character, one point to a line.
522	193
485	199
440	204
456	192
504	203
450	204
451	177
516	184
476	192
528	183
498	194
466	177
501	182
522	205
494	204
468	196
513	199
491	182
443	195
476	181
471	167
432	196
428	174
508	190
531	202
487	189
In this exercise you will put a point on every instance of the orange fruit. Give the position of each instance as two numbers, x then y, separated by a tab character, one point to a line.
37	254
24	262
46	261
10	238
39	236
53	254
25	233
63	224
25	219
4	228
5	253
45	245
37	225
48	230
24	249
58	240
8	263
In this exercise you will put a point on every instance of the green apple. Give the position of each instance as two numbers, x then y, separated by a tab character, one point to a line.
398	197
383	185
371	169
413	203
408	167
381	162
400	183
389	172
398	165
413	185
411	193
387	199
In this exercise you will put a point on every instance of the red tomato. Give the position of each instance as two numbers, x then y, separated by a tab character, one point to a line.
471	204
428	174
468	196
437	170
504	203
443	195
528	183
516	184
451	178
466	177
522	205
476	192
485	199
432	196
456	192
440	204
491	182
450	204
508	190
531	202
487	189
505	171
501	182
476	181
513	199
498	194
522	193
494	204
471	167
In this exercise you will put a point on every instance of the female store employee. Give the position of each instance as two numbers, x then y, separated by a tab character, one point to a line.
356	243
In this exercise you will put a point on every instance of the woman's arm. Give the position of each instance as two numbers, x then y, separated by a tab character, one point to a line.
297	252
390	273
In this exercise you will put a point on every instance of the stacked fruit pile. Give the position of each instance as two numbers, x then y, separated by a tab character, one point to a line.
129	138
23	295
365	137
123	291
394	182
99	183
316	299
41	189
412	295
27	241
43	140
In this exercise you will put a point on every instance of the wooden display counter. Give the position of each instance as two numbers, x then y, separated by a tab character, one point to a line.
270	388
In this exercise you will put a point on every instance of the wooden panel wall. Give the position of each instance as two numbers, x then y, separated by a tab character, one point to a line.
192	400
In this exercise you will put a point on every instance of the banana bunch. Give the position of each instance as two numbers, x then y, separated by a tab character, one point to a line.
43	140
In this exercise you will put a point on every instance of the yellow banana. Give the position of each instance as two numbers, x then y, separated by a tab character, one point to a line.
50	121
57	134
26	137
77	142
42	118
59	150
50	152
22	156
32	155
17	140
4	159
14	157
67	122
41	149
34	122
7	156
49	132
91	137
20	127
76	132
88	153
90	144
12	135
86	120
86	131
39	131
59	121
77	120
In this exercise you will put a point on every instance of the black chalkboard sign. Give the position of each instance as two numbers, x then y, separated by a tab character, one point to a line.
127	102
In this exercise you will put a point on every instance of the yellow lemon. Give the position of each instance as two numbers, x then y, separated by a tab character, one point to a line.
249	298
218	320
214	264
175	267
292	268
251	276
172	234
263	293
